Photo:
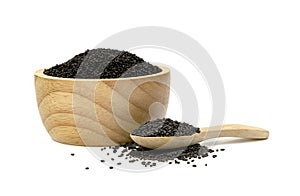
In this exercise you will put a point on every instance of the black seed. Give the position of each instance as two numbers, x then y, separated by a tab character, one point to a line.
170	162
111	167
112	159
87	168
222	149
121	155
103	63
119	163
205	155
72	154
214	156
188	162
165	127
102	161
194	165
107	153
205	164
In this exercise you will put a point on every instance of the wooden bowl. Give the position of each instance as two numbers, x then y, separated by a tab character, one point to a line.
99	112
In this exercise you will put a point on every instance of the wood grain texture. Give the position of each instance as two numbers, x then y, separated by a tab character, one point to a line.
230	130
99	112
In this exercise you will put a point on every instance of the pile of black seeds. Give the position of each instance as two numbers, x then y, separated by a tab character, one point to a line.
163	155
103	63
134	153
165	127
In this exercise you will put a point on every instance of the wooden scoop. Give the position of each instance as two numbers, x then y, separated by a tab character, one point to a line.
230	130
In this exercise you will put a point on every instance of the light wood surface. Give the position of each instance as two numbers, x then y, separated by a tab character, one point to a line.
230	130
99	112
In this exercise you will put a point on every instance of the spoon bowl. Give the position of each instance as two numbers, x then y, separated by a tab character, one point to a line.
230	130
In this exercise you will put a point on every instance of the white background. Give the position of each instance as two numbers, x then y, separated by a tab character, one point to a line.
255	45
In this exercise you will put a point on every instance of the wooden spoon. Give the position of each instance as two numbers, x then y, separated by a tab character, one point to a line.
230	130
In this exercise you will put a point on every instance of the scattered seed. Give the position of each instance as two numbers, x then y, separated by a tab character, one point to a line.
121	155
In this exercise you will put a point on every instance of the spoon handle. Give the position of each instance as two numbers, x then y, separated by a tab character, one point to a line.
235	130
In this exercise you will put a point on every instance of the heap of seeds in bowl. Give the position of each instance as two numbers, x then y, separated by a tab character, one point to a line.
103	63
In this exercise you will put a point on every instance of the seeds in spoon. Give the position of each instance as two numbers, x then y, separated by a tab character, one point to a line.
165	127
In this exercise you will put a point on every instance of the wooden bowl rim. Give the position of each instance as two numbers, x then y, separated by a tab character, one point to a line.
165	70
